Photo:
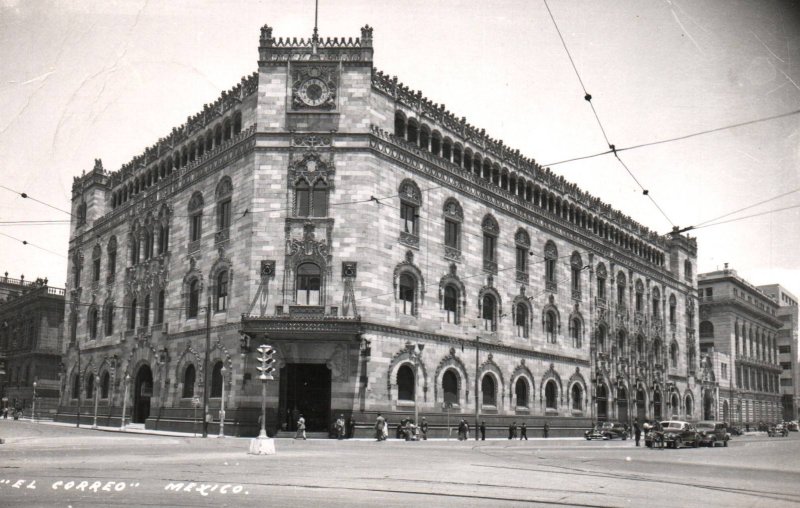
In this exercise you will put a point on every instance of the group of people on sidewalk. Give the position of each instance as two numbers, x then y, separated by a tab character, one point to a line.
648	427
412	432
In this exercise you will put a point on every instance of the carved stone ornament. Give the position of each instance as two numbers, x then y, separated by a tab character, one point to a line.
452	210
522	238
309	246
314	87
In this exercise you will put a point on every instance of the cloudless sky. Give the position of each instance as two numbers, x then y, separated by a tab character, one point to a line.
105	79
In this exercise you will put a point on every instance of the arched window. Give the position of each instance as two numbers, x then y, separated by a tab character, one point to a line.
320	199
96	253
451	304
521	391
577	397
675	402
639	296
308	284
687	270
489	313
189	376
108	318
551	326
221	298
302	193
622	343
551	395
223	196
453	218
195	217
576	267
163	238
135	248
521	320
601	282
105	384
656	303
577	332
621	291
410	200
491	230
450	387
89	386
216	380
672	309
405	383
640	348
406	292
689	404
601	339
76	386
399	125
673	355
160	308
706	330
148	243
194	299
146	311
132	315
112	258
657	351
489	391
92	321
550	257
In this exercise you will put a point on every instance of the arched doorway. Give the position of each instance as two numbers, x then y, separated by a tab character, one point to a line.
708	405
675	405
641	405
602	403
622	405
143	390
657	405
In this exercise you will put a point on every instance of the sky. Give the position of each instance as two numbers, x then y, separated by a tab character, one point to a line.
81	80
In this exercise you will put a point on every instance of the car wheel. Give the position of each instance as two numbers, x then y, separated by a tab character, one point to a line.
713	443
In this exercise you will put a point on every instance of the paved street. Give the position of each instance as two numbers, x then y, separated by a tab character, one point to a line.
47	465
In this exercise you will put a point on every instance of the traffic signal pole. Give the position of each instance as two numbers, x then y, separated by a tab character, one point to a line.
205	368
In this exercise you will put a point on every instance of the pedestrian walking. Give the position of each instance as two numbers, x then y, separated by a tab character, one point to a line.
462	430
523	432
351	428
483	431
340	428
423	427
511	431
637	431
546	429
301	428
380	424
466	430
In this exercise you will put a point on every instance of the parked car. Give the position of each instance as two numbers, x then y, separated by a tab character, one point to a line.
678	433
735	431
778	430
607	430
712	433
793	426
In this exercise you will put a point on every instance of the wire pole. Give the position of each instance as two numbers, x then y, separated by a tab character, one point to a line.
78	346
477	406
205	367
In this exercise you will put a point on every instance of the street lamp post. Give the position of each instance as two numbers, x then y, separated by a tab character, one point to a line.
222	371
33	407
96	386
125	401
415	351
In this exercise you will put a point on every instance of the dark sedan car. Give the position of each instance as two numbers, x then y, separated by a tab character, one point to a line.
678	433
712	433
607	430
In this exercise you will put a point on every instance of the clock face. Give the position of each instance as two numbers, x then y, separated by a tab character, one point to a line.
313	92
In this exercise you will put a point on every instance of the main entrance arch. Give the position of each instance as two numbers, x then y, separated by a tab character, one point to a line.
708	405
143	390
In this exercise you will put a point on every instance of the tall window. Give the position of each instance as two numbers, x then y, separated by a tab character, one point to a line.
452	234
146	311
551	395
550	326
489	313
490	233
163	238
135	248
105	384
408	217
308	284
96	263
656	311
621	290
189	376
576	333
577	397
521	391
149	241
222	291
132	315
406	294
489	391
196	217
450	387
622	343
112	258
521	320
576	266
216	380
672	309
223	196
405	383
601	339
108	317
550	257
687	270
76	386
601	282
410	204
89	386
319	199
160	307
639	296
451	304
194	299
302	193
93	323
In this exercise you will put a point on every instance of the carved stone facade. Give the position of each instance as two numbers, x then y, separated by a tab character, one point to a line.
350	200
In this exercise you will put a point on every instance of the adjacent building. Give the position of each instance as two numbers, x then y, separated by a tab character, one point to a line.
397	257
31	320
740	321
788	354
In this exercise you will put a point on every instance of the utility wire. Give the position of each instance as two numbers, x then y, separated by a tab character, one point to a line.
644	191
25	242
745	217
26	196
678	138
747	207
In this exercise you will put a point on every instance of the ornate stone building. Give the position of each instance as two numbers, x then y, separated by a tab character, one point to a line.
324	208
31	318
788	345
741	321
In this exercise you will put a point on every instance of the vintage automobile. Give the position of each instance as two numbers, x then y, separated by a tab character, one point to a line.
778	430
792	426
606	430
676	434
712	432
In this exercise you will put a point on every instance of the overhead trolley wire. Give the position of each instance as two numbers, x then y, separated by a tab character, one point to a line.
25	242
26	196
